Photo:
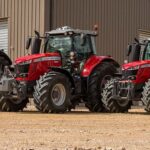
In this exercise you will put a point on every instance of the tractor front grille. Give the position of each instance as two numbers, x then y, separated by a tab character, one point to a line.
128	73
22	70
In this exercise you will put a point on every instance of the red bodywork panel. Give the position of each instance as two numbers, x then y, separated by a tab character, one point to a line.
143	68
92	62
39	64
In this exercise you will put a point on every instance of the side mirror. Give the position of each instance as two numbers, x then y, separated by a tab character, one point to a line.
28	43
136	52
129	49
83	39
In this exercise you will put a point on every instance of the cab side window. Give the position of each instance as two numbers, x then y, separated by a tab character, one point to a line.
83	50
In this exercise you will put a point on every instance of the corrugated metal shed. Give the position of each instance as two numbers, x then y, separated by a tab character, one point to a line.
4	35
118	20
24	16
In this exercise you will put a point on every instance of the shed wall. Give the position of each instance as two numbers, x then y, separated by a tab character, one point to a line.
118	20
24	16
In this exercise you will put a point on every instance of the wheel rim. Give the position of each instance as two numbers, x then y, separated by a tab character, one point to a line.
58	94
104	80
17	97
120	102
123	102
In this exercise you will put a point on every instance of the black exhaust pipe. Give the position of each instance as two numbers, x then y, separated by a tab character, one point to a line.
35	45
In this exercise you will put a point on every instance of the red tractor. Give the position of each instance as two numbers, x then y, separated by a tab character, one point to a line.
133	84
66	73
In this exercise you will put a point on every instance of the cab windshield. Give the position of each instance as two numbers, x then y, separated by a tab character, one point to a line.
65	44
59	43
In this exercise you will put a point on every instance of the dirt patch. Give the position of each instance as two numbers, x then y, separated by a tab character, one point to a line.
79	130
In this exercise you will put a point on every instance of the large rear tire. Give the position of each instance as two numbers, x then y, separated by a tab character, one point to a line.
146	96
96	83
113	105
52	93
11	105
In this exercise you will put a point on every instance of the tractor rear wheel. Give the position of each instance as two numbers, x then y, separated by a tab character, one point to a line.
146	96
96	83
111	104
12	105
52	93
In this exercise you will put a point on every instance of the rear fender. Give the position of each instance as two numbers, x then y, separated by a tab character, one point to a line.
94	61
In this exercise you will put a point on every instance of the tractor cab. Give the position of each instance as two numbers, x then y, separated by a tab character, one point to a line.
138	55
138	51
71	43
65	40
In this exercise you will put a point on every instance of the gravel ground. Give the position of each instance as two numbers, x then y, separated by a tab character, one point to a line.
77	130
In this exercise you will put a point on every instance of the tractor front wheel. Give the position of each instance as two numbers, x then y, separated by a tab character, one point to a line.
52	93
96	83
146	96
111	104
11	104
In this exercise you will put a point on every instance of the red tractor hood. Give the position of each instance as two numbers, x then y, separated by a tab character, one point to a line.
35	56
135	64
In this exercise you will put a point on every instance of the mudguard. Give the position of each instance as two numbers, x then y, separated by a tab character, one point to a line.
4	59
94	61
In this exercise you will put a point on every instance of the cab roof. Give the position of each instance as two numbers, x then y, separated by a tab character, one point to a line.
68	30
